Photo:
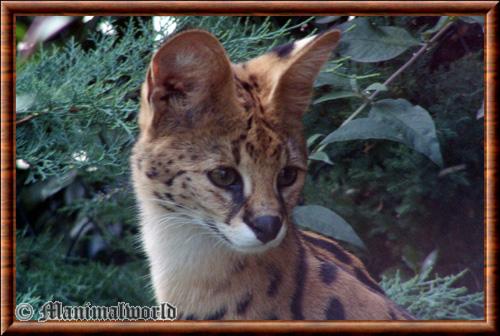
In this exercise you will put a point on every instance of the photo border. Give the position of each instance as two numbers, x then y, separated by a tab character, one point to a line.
9	10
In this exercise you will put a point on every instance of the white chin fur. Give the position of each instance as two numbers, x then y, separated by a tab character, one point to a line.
243	239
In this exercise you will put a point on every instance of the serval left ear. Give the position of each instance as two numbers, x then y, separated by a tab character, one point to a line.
188	81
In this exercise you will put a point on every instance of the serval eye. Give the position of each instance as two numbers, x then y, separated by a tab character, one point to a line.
224	177
287	176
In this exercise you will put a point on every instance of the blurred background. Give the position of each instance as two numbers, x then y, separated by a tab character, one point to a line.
395	171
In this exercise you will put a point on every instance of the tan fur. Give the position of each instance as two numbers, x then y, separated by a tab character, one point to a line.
199	112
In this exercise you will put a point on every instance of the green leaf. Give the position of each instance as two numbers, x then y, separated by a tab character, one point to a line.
337	95
440	24
326	222
312	139
330	78
320	156
376	86
362	129
366	43
395	120
413	123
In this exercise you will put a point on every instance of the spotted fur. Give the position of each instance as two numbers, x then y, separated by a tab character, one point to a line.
199	112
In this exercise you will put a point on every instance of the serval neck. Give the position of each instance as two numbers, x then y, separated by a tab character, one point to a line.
184	252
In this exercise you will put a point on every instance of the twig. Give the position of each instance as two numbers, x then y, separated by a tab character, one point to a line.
389	80
25	119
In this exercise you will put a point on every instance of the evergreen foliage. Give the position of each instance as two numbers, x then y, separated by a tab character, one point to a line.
77	104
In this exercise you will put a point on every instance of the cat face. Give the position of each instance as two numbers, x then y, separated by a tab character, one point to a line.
221	144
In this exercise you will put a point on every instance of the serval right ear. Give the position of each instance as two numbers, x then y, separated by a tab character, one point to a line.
189	78
303	61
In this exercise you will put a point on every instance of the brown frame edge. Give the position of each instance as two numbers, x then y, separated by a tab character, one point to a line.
9	9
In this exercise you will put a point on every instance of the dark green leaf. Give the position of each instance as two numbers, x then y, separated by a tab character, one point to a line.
376	86
320	156
362	129
396	120
440	24
413	123
365	43
337	95
327	222
329	78
312	139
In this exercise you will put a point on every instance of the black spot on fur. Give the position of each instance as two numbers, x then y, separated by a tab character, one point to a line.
334	310
170	181
244	303
249	123
211	224
152	174
283	50
219	314
275	278
235	149
330	247
277	151
194	157
300	279
253	81
169	162
169	196
367	281
250	149
268	125
328	272
246	86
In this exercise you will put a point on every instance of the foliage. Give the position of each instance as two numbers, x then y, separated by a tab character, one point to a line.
326	222
398	201
435	299
421	192
45	271
396	120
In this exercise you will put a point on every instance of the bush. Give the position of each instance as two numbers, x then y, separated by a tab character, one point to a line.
422	192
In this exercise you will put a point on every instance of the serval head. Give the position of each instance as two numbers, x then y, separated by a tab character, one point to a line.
221	146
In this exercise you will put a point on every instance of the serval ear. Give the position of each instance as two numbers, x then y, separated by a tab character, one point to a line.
292	69
188	80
